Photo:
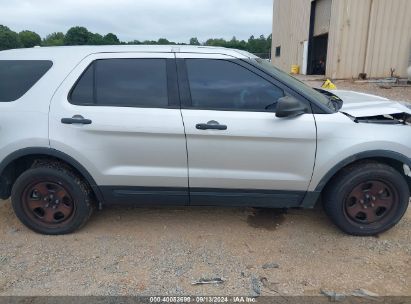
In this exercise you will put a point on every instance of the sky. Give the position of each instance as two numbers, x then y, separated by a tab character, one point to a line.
176	20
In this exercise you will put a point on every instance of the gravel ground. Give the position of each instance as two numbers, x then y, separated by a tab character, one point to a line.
132	251
395	93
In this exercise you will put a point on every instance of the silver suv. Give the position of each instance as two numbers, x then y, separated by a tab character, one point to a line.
83	127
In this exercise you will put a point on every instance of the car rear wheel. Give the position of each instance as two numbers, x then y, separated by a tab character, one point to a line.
51	199
367	198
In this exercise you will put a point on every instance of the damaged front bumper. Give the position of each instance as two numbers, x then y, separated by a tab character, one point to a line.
389	119
367	108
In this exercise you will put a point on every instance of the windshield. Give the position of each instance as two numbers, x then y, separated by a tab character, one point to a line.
299	85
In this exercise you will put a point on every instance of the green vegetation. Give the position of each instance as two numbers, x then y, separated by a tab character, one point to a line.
9	39
81	36
54	39
29	39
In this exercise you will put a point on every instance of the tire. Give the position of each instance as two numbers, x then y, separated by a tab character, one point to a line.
51	199
366	199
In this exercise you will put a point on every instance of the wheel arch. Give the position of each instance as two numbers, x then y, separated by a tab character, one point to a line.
28	155
391	158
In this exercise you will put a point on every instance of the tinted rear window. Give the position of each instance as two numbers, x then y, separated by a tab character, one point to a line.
83	92
18	76
123	83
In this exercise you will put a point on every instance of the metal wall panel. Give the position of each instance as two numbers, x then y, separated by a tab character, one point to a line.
347	38
291	25
370	36
322	17
389	42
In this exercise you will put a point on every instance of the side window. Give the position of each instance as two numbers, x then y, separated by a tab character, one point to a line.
82	93
225	85
123	83
18	76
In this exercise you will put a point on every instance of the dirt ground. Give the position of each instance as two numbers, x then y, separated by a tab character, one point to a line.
401	93
131	251
161	251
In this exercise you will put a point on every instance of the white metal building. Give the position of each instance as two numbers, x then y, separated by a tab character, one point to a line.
343	38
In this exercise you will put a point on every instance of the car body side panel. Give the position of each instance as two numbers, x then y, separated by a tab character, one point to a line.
124	146
45	151
340	138
257	151
24	122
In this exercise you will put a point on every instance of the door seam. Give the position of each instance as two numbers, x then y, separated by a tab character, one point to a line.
184	128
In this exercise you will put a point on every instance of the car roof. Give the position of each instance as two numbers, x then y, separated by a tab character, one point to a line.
58	52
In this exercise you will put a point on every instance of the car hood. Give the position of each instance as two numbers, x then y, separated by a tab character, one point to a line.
366	105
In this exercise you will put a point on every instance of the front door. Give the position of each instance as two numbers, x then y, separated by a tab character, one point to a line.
119	116
239	152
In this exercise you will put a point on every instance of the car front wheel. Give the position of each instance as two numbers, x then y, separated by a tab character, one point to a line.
366	199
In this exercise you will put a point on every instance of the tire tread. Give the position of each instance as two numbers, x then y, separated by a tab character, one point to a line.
86	192
344	177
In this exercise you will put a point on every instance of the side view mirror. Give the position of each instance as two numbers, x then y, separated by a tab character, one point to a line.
289	107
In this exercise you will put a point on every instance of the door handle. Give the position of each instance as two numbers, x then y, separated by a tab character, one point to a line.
76	119
211	125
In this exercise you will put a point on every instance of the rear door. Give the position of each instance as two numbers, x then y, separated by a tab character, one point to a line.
119	116
239	152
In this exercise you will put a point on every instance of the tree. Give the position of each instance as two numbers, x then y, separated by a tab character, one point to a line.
236	44
194	41
216	42
9	39
29	39
259	46
270	39
96	39
4	28
149	42
163	41
110	38
134	42
54	39
77	35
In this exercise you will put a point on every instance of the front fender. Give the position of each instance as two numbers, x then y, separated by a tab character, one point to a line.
312	196
360	156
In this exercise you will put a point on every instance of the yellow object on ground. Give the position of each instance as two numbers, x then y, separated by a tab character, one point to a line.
295	69
328	84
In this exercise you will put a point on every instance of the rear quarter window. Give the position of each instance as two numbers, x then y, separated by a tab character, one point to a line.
17	77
